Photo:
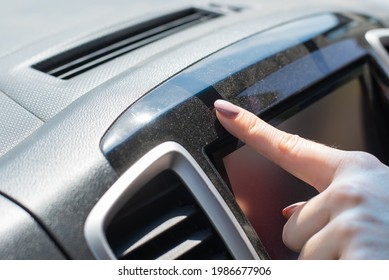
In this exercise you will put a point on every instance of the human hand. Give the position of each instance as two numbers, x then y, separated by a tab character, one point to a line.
349	219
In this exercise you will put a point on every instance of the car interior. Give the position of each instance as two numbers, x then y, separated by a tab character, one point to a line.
110	147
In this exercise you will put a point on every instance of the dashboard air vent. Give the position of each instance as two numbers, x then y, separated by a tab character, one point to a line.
165	207
83	58
163	221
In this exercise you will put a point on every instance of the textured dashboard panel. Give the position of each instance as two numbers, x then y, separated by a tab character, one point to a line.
59	27
16	123
21	237
45	95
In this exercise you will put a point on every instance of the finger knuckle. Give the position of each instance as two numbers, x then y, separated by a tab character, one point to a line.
289	144
357	252
350	194
362	159
253	126
350	228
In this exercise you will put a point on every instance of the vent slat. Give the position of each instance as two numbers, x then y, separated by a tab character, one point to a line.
122	47
93	54
189	244
165	223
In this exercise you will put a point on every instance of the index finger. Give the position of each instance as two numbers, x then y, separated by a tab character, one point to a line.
311	162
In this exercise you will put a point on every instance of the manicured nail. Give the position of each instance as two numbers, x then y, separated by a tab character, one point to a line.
226	108
289	210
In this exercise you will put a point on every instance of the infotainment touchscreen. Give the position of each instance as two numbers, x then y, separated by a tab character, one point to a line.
262	189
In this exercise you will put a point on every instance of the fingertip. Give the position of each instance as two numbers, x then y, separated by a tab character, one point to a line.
288	211
226	109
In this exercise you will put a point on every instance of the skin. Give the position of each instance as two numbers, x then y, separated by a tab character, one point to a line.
349	219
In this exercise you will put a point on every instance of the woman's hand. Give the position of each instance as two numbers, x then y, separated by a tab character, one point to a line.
349	219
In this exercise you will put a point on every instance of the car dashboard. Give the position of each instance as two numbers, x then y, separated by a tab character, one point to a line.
110	147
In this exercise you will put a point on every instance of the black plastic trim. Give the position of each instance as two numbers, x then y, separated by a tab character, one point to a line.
256	73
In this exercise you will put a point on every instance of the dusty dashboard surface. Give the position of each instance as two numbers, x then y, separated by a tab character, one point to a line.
111	148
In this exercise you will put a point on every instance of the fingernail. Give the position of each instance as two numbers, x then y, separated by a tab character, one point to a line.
226	108
289	210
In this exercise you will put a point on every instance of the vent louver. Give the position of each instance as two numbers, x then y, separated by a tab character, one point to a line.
81	59
163	221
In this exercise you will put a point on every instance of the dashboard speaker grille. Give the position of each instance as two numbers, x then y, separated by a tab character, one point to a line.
83	58
163	221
